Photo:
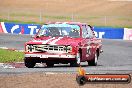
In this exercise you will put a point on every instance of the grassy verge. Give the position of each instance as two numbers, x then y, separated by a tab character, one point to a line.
17	21
68	18
10	56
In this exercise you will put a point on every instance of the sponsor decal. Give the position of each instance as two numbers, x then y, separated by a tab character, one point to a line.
109	32
19	28
32	28
83	78
1	29
99	34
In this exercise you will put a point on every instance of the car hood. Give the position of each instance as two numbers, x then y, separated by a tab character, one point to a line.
56	41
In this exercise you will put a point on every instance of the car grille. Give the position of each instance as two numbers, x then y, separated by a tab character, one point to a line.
45	48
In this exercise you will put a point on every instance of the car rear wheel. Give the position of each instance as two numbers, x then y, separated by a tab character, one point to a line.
50	64
29	63
94	61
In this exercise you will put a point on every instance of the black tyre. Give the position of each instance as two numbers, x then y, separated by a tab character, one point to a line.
94	61
29	63
81	80
74	64
50	64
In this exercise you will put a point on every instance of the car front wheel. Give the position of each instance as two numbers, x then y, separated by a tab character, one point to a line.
74	64
29	63
93	62
50	64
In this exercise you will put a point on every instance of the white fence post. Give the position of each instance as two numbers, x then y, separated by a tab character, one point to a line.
72	18
8	15
105	21
40	16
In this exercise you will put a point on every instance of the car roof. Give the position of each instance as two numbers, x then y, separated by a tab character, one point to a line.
76	23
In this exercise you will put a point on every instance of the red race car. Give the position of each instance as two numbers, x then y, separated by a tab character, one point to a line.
63	42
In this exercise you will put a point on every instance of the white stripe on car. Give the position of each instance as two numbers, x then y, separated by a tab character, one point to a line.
44	42
54	41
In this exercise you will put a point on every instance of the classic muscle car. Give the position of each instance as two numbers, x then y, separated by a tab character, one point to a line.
63	42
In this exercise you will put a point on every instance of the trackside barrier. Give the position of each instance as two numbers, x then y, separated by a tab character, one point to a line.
127	34
109	32
15	28
100	32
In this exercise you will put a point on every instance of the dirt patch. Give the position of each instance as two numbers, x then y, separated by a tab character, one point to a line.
42	80
83	7
95	12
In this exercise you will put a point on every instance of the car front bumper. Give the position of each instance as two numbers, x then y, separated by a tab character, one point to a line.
50	56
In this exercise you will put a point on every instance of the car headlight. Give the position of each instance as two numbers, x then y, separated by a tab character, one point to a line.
68	49
30	48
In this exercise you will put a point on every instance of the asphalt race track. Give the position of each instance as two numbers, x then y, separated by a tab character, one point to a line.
116	58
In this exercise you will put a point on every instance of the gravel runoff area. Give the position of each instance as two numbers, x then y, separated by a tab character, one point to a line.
49	80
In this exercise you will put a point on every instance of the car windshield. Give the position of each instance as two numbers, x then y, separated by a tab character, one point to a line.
59	30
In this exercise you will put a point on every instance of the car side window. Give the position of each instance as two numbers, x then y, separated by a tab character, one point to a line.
90	32
84	31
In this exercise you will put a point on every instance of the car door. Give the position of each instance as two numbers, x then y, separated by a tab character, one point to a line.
88	43
85	48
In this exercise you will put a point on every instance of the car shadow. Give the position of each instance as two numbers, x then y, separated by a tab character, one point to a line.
65	66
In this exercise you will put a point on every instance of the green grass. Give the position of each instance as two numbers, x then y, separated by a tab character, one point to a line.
23	14
67	18
37	16
10	56
17	21
58	17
